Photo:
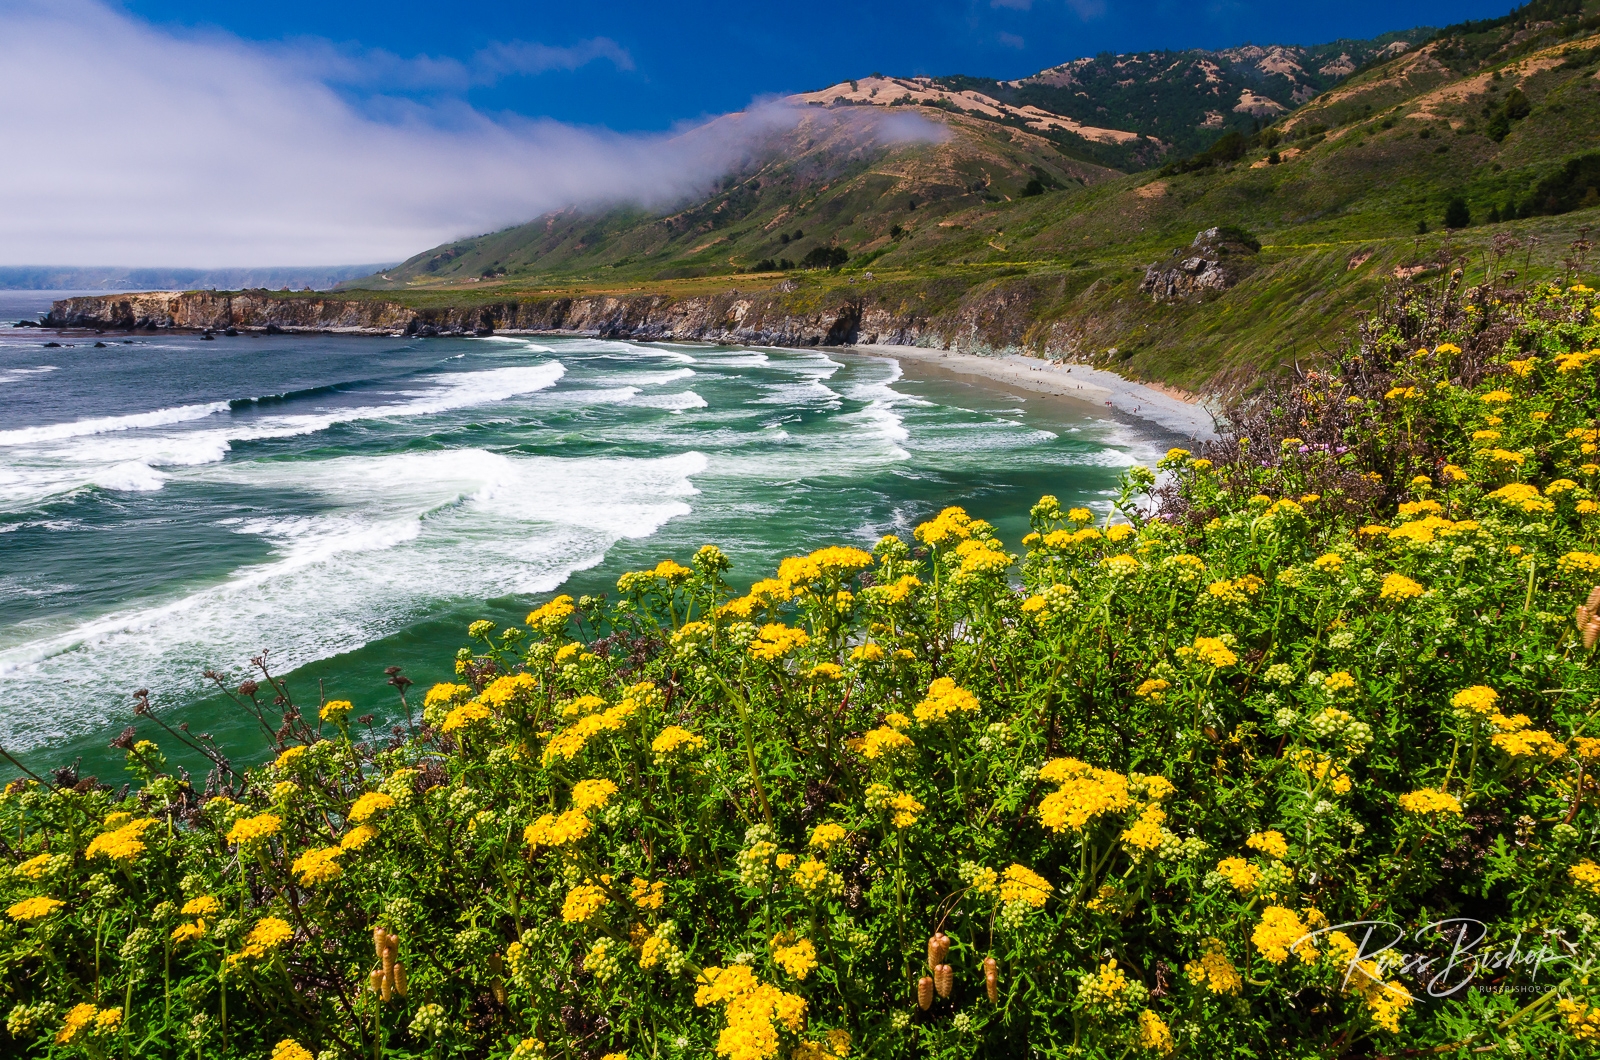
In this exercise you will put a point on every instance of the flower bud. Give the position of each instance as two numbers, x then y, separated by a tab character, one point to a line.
944	979
925	992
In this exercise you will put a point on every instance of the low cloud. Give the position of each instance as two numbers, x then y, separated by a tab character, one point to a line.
132	145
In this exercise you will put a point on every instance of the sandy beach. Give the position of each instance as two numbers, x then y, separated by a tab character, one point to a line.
1106	390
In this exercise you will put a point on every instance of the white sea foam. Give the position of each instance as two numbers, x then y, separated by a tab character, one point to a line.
808	392
654	378
18	375
596	396
80	454
678	402
52	432
739	359
402	532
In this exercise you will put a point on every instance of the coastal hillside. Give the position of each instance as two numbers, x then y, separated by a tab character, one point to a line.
831	180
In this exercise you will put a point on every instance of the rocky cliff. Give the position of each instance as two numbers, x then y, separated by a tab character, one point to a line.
764	317
761	317
995	317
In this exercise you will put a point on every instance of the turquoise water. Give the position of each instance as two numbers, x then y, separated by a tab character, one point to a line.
350	503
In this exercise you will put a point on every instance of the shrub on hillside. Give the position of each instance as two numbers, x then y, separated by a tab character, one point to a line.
1218	773
827	257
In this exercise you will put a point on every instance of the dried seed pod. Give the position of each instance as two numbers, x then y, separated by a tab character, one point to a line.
1593	602
386	954
399	977
991	979
1591	631
379	983
380	940
938	949
925	992
944	979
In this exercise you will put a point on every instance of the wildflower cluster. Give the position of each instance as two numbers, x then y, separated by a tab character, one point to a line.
1133	787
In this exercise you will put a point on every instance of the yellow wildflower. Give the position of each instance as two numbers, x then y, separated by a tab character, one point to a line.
1430	800
796	958
1154	1034
78	1017
1239	873
1214	969
1018	883
777	640
202	905
252	831
1272	844
592	794
674	740
1280	933
945	698
320	865
358	837
1586	874
827	836
370	805
1085	792
1212	651
552	831
582	903
1397	586
36	908
884	741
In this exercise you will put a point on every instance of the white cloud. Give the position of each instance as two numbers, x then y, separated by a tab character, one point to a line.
1015	5
377	68
1011	40
131	145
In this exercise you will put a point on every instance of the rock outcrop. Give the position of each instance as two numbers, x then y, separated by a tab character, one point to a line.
1207	270
763	317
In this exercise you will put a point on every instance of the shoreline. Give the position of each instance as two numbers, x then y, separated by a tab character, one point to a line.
1166	408
1171	410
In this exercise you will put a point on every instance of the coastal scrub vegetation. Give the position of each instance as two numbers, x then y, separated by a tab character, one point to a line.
1289	752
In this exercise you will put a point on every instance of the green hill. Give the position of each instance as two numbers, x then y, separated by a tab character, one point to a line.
1494	124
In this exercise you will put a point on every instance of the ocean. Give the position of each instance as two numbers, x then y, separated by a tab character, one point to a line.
170	505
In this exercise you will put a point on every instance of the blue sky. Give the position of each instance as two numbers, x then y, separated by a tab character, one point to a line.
643	66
